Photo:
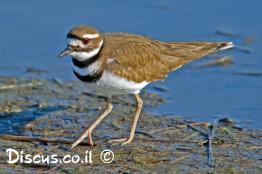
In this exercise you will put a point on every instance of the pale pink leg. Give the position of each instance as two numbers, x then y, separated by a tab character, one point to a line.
133	128
88	132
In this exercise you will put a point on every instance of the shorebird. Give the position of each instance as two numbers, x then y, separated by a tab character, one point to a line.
124	63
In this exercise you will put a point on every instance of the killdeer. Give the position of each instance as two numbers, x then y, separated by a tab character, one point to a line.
123	63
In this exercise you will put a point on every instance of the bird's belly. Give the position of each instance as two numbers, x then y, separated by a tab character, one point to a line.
106	91
110	84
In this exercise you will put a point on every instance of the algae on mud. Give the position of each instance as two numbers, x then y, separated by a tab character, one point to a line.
57	110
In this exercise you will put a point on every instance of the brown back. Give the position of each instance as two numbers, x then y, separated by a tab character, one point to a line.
139	58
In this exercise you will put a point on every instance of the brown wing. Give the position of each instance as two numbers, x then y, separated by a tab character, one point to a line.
140	58
176	54
138	61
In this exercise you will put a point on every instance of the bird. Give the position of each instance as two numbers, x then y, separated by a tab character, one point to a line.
121	63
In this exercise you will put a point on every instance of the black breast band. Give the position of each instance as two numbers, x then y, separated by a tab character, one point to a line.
89	78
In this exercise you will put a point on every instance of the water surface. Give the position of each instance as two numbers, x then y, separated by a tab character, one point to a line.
33	33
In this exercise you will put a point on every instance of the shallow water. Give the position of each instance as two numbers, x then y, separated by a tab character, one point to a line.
33	33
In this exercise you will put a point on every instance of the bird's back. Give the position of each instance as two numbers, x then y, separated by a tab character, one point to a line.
141	58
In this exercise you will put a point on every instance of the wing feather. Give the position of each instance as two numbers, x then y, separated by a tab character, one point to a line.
137	61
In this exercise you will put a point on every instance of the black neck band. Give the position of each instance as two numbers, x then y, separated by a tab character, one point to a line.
89	78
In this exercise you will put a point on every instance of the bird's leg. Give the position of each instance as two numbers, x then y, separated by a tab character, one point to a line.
88	132
134	123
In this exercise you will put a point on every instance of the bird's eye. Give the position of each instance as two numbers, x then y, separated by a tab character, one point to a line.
85	41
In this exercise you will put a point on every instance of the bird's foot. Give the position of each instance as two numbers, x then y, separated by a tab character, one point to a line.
123	141
87	133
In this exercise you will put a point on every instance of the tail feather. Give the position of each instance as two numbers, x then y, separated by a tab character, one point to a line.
225	45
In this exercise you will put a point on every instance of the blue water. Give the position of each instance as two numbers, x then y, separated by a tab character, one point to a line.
33	33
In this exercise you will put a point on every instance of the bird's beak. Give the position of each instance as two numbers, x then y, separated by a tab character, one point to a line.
65	52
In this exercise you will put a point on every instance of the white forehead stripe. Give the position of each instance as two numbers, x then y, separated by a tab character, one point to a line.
76	42
91	36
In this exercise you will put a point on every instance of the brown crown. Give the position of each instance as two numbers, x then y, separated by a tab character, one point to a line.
79	31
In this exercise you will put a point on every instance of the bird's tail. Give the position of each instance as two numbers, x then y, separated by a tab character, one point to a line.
224	45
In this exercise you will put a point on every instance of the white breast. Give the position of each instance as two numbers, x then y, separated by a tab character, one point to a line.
119	85
91	69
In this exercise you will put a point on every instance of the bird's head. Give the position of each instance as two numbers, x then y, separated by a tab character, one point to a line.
84	42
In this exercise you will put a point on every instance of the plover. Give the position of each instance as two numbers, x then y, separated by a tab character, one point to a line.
124	63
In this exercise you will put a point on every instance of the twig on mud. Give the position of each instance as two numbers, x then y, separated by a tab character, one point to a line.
25	85
167	141
211	135
192	127
57	141
200	131
30	139
190	136
145	134
161	129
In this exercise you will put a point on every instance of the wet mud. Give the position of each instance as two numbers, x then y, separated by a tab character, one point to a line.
60	111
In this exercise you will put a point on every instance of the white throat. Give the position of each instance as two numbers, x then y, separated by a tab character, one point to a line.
82	55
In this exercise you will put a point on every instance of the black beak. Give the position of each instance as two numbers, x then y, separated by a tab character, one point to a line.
65	52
